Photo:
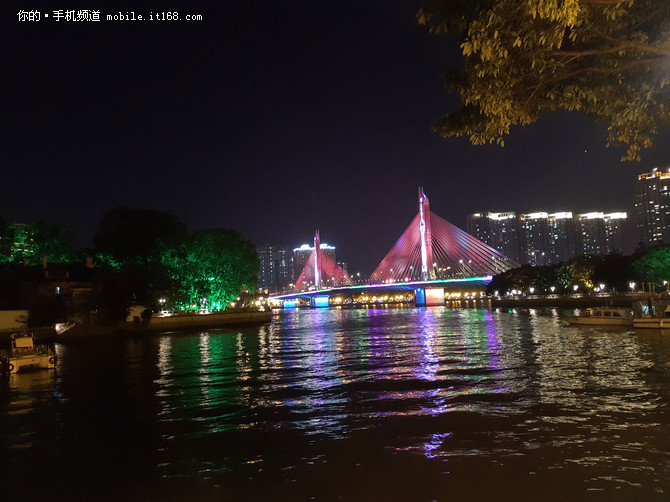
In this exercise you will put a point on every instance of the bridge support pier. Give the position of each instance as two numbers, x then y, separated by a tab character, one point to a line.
428	297
319	301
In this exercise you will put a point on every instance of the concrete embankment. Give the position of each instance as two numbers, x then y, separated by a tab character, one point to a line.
156	324
187	321
178	322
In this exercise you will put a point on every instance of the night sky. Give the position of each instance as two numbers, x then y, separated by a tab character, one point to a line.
273	118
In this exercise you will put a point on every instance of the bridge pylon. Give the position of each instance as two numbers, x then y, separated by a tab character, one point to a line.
320	270
431	248
427	269
317	260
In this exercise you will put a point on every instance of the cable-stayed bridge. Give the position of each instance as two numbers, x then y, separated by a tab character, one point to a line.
430	255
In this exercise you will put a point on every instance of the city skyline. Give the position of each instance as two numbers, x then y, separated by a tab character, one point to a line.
275	120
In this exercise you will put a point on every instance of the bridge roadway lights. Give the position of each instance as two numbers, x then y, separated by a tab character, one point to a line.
427	297
319	301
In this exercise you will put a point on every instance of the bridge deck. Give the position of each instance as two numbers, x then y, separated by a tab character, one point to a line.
398	286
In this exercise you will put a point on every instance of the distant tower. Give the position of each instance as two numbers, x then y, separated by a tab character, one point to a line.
427	270
317	260
652	202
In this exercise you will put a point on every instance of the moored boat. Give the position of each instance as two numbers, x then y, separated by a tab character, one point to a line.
25	354
606	316
662	320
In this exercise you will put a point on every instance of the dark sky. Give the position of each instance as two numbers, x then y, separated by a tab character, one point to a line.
273	118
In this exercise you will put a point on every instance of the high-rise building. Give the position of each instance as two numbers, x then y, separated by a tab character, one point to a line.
562	243
498	230
616	232
276	268
601	234
534	238
652	204
479	226
285	268
267	276
543	238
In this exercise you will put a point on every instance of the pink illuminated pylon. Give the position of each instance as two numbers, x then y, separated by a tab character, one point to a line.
317	260
432	248
427	269
321	270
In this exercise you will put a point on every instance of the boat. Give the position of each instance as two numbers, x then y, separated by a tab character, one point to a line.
661	320
606	316
24	354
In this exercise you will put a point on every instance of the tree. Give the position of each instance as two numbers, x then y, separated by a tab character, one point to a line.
6	241
129	243
57	244
129	235
609	59
521	278
615	270
210	269
28	244
654	266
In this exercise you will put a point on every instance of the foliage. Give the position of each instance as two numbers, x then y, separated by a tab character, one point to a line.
614	270
57	244
5	242
587	272
210	269
582	271
128	254
654	266
608	59
128	235
117	289
521	279
28	244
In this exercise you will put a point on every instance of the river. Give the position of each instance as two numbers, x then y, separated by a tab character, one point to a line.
380	404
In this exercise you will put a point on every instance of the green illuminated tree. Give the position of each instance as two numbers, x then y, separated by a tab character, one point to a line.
609	59
58	245
210	269
28	244
653	266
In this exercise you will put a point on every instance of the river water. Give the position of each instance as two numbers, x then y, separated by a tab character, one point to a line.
408	404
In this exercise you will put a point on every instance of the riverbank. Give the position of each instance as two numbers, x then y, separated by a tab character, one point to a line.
189	321
156	324
567	302
177	322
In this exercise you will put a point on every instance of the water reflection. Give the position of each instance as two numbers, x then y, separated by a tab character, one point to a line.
437	391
